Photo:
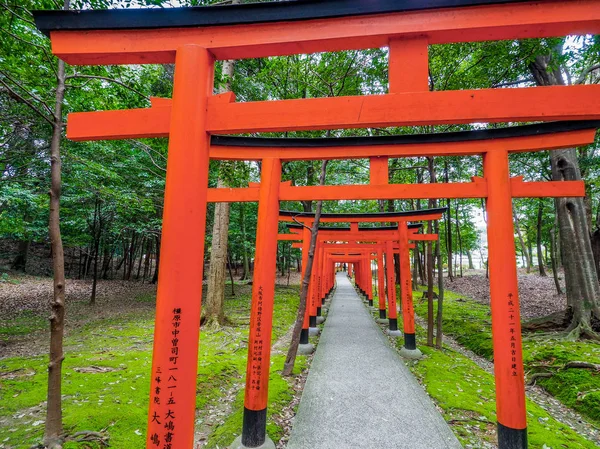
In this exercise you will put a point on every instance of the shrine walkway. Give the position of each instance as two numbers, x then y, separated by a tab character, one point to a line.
359	393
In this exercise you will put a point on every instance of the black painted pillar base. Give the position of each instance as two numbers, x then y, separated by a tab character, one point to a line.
382	314
304	337
370	303
318	311
393	324
312	321
509	438
410	342
254	427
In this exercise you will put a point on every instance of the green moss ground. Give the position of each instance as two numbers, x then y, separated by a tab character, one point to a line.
117	401
468	322
465	393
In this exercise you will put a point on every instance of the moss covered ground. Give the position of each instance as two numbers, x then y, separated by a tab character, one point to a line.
106	376
469	323
465	392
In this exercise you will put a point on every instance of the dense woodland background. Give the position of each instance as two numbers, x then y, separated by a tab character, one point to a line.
112	191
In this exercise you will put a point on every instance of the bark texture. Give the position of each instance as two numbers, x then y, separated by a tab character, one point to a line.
290	359
214	313
581	279
54	426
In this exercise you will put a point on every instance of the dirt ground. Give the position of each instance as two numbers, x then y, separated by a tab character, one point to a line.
537	294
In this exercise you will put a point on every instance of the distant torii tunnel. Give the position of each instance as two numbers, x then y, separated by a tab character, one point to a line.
387	240
194	38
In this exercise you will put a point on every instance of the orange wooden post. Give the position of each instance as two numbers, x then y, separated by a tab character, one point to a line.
408	311
391	289
380	284
320	296
171	415
369	272
504	299
261	313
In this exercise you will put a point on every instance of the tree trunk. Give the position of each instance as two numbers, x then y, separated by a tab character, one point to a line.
290	359
470	258
553	261
54	428
141	258
97	236
245	258
230	273
155	275
430	320
448	227
596	250
147	260
132	251
215	290
20	261
439	335
538	242
106	259
524	251
581	278
460	246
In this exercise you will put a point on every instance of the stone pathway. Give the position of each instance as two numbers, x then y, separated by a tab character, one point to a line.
359	394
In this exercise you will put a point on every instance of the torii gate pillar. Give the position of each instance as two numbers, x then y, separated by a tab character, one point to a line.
261	314
504	300
171	414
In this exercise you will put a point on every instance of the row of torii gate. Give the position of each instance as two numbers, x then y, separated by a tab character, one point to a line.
194	38
357	247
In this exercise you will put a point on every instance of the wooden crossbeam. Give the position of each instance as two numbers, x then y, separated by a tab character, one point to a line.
466	24
475	189
398	109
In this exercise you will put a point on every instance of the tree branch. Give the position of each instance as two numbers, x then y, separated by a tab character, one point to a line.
586	72
35	97
18	97
110	80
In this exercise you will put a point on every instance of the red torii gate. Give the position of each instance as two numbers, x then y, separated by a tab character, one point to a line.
354	235
387	239
189	37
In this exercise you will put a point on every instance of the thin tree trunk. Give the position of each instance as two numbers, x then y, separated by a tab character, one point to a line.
245	258
106	259
430	227
290	359
97	236
538	242
213	306
20	261
553	261
147	260
54	428
524	251
155	276
230	273
439	335
460	246
470	258
141	258
132	251
449	227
